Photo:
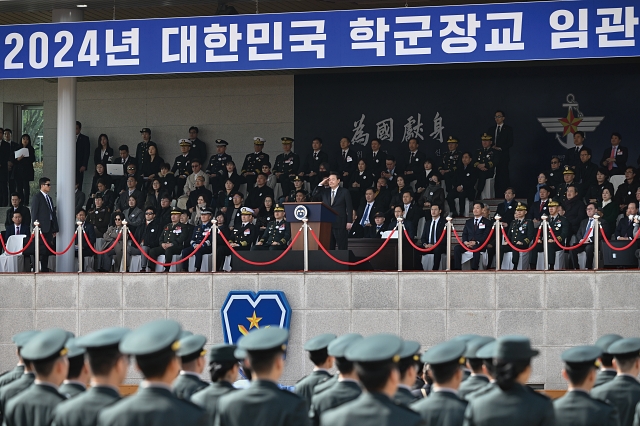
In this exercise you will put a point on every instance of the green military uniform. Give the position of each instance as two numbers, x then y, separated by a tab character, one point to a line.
576	407
408	355
19	340
154	403
289	165
561	228
321	387
14	388
475	381
466	338
623	392
34	406
606	374
450	161
83	410
188	382
485	353
304	388
278	231
490	158
561	191
175	234
520	231
71	388
263	399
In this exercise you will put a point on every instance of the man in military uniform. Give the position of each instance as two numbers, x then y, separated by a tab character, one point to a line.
263	399
623	392
79	375
253	162
21	377
192	359
196	238
154	346
172	239
477	379
343	387
607	372
182	166
450	163
99	216
577	406
560	227
569	180
224	368
108	371
311	164
198	147
485	161
376	359
243	236
521	233
408	367
142	150
443	407
287	165
323	362
35	405
486	354
298	186
19	340
217	165
277	234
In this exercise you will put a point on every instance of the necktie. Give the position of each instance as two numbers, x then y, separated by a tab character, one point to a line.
365	217
333	196
49	203
344	155
588	230
613	155
413	154
315	155
432	232
374	155
542	205
477	223
17	230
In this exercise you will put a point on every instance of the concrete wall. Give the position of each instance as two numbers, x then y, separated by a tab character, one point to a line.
555	309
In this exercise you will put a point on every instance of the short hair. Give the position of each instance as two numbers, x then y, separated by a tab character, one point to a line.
336	174
391	158
103	360
480	203
134	177
501	112
633	169
510	189
220	369
102	181
466	153
261	174
79	124
123	148
607	360
404	364
604	171
625	361
43	180
80	209
475	364
165	166
165	197
370	189
15	194
344	366
75	367
156	365
196	160
442	373
375	140
575	188
8	130
318	357
318	139
44	367
586	149
153	209
616	134
120	215
15	213
579	132
194	128
578	372
262	361
414	139
374	375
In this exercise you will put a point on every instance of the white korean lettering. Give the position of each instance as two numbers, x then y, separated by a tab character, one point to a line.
89	48
130	43
362	34
58	60
413	36
188	43
217	39
627	27
8	61
464	44
510	41
41	39
563	20
259	34
166	37
308	39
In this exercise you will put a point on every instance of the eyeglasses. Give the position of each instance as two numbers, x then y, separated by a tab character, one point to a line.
47	184
131	168
118	219
498	116
149	213
555	162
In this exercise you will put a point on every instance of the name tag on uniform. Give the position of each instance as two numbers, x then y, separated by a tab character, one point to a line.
281	228
247	231
177	231
349	159
153	230
481	226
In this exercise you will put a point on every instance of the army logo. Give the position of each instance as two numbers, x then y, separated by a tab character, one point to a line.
300	212
243	311
569	125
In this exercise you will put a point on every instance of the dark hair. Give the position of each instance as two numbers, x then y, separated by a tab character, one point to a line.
480	203
375	140
475	364
630	167
578	372
466	153
579	132
232	163
262	361
8	130
79	124
100	137
404	364
196	160
344	366
44	367
511	189
318	357
15	194
506	372
374	375
166	166
607	360
118	214
587	150
75	367
103	360
26	135
407	191
318	139
490	367
592	204
80	209
442	373
220	369
156	365
625	361
102	181
363	160
336	174
194	128
616	134
43	180
153	209
15	213
574	187
604	171
123	148
391	158
414	139
261	174
546	188
501	112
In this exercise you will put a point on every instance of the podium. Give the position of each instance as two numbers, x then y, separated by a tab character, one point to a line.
320	218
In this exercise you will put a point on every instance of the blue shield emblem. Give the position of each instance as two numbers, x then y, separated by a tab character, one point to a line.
243	311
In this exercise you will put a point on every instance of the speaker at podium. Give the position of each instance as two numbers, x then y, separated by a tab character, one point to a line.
320	217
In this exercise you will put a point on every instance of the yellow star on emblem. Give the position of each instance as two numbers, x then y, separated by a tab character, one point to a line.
253	320
570	123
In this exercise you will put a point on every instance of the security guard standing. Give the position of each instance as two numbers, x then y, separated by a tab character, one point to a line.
78	377
408	366
521	233
477	379
217	165
559	225
485	161
263	399
19	340
607	372
172	239
253	162
277	234
35	405
450	162
182	166
191	355
577	407
287	165
108	371
224	368
443	407
154	346
322	361
243	236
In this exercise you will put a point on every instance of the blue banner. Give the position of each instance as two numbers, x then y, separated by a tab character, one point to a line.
358	38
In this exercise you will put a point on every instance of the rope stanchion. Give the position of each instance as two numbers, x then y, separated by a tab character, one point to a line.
569	248
11	253
421	249
477	249
342	262
59	253
271	262
606	240
105	251
177	262
513	246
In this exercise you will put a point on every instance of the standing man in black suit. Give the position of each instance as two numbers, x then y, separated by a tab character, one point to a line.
311	163
463	184
42	210
6	163
572	156
347	161
415	162
475	233
615	158
431	233
338	199
83	151
376	158
503	138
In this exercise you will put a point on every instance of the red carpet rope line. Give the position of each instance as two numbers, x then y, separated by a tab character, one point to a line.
105	251
519	249
342	262
606	240
184	259
479	248
59	253
271	262
424	250
10	253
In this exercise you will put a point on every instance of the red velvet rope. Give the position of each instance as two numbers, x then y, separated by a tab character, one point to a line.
421	249
10	253
342	262
479	248
569	248
59	253
107	250
519	249
271	262
606	240
184	259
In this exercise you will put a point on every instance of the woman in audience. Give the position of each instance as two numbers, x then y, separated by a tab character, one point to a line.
594	193
232	174
543	180
225	198
609	211
156	191
424	179
265	214
195	215
167	179
103	154
133	215
396	198
151	168
23	169
360	182
105	260
432	195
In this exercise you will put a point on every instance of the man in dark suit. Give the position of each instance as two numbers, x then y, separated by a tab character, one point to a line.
627	227
540	208
83	151
503	142
587	170
17	228
475	233
585	225
6	162
125	159
412	212
572	155
122	203
17	206
346	161
338	199
391	171
42	210
398	212
465	178
615	158
365	214
376	158
431	233
311	163
507	209
574	208
415	162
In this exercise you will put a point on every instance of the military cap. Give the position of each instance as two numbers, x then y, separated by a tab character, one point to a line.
486	137
185	333
445	353
319	342
98	195
378	214
278	208
514	348
145	130
240	353
70	335
45	345
339	346
258	141
568	171
176	210
605	341
487	351
23	337
410	349
296	179
103	338
264	339
192	345
184	142
521	207
223	353
74	349
286	139
582	355
475	344
246	210
221	142
465	337
452	140
553	203
152	338
376	348
205	210
627	346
